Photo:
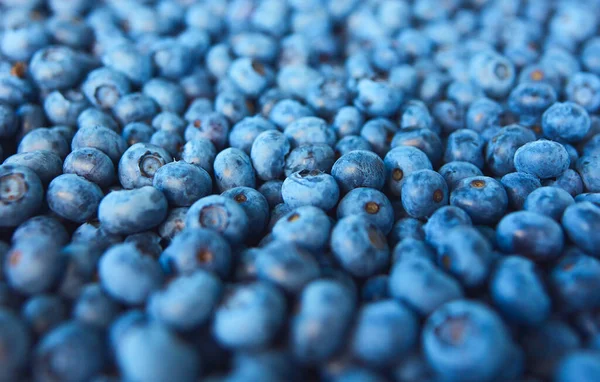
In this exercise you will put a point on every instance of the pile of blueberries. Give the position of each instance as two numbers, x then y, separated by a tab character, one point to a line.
300	190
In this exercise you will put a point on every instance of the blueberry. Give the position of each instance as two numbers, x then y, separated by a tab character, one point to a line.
587	167
483	198
544	159
271	190
71	351
101	138
233	168
46	164
501	148
530	234
465	146
454	172
319	328
449	115
231	103
250	76
584	89
351	143
286	265
15	340
137	132
140	163
255	45
95	307
41	227
200	152
385	331
518	186
371	204
359	168
579	366
43	313
104	87
443	220
127	275
21	194
483	113
406	228
187	302
260	306
580	221
310	188
220	214
423	192
126	59
74	197
375	289
566	122
359	246
171	58
268	153
44	139
309	130
131	211
348	121
56	67
182	183
423	139
518	291
210	125
134	107
379	132
169	96
306	226
8	121
286	111
254	204
244	133
310	157
169	122
454	347
549	201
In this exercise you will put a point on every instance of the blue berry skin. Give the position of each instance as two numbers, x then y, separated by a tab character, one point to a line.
351	143
529	100
220	214
200	152
348	121
442	221
483	113
566	122
187	302
549	201
231	103
63	108
137	132
588	197
286	265
43	312
310	188
16	91
55	67
465	253
318	156
169	96
172	143
130	211
258	46
169	122
517	290
91	164
518	186
33	266
359	168
244	133
371	204
379	133
72	351
46	164
286	111
104	87
449	115
375	289
465	146
415	114
126	59
21	40
581	366
21	194
385	331
149	351
171	59
139	164
307	226
492	72
271	190
412	248
250	76
482	197
327	97
218	57
530	234
423	192
95	307
406	228
233	168
182	183
197	249
249	316
44	139
587	167
72	33
544	159
73	197
319	328
127	275
454	347
255	205
15	340
580	221
134	107
148	243
454	172
309	130
359	246
268	153
501	148
101	138
425	140
41	227
210	125
584	89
